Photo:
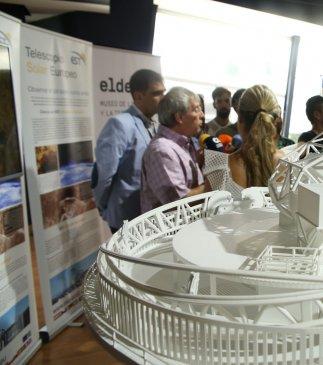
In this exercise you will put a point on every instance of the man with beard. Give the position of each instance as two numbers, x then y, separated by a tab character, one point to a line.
222	104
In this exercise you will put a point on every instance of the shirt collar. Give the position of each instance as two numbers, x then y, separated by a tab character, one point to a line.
174	136
147	122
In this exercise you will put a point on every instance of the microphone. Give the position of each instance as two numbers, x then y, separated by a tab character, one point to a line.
226	140
210	143
236	141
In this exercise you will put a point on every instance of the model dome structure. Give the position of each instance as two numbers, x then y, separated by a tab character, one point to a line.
210	280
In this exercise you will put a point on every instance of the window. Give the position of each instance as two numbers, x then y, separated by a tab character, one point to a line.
201	54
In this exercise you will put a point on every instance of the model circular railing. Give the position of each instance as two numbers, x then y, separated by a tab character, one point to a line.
153	323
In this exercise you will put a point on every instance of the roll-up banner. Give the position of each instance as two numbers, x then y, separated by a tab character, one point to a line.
56	77
112	69
19	337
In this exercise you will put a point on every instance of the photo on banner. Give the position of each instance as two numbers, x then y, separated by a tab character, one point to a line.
72	161
10	162
11	224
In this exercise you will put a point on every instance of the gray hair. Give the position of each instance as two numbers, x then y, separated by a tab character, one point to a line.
177	100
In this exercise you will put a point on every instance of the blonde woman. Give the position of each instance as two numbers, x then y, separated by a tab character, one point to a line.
259	124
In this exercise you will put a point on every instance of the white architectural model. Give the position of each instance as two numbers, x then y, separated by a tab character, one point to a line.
209	280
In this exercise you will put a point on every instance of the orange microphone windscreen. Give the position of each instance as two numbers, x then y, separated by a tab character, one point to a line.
225	139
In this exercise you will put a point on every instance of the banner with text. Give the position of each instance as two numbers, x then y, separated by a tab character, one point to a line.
19	336
58	108
112	69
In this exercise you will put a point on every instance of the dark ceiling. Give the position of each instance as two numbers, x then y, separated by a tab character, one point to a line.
306	10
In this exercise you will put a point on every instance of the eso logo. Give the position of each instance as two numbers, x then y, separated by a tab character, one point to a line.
78	58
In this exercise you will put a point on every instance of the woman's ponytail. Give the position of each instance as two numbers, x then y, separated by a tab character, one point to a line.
259	112
258	150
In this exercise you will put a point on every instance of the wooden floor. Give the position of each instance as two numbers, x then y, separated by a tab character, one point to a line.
77	346
74	345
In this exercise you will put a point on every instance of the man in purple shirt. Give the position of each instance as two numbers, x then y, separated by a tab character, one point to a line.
169	169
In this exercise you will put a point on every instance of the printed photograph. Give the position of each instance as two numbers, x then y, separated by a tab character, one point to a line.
14	321
66	203
50	208
66	286
10	163
10	193
47	159
75	162
83	192
11	228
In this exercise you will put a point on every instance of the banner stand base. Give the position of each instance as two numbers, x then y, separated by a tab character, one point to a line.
46	336
76	324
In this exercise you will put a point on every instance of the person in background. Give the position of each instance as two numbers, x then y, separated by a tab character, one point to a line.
170	170
195	139
222	105
232	129
259	124
314	113
116	175
202	104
